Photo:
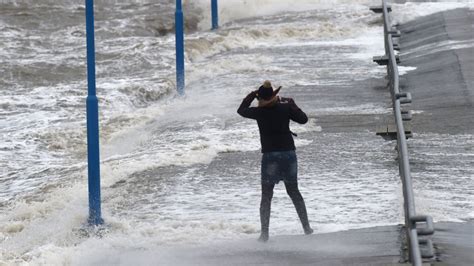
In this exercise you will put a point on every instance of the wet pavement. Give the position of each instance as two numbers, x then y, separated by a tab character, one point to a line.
442	88
443	95
373	246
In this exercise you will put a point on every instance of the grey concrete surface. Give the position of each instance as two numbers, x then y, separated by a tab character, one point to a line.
440	46
442	86
454	243
373	246
442	89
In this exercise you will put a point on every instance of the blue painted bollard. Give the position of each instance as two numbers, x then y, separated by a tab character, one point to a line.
179	32
92	107
214	14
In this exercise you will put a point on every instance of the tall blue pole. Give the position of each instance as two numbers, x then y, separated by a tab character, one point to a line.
214	13
179	30
92	122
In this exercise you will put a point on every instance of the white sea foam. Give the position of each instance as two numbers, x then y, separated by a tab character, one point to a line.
146	133
317	25
62	241
403	70
432	48
232	10
409	11
368	108
442	187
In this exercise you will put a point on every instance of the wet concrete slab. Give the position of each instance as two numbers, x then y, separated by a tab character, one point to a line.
442	85
442	90
454	243
368	246
440	47
372	246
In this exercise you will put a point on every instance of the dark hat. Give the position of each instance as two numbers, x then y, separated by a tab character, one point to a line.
266	92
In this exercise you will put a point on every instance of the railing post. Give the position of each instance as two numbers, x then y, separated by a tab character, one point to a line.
398	98
92	108
215	14
179	32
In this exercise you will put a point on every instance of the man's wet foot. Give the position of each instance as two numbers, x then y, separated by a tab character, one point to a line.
263	237
308	231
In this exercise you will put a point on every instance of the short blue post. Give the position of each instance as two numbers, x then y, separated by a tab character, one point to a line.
92	122
179	30
214	13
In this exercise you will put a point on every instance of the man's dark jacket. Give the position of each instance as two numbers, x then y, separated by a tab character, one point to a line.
274	122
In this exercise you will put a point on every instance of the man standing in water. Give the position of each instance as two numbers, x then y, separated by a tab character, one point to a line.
273	116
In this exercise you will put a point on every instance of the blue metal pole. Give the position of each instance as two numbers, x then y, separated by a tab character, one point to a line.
215	16
92	122
179	30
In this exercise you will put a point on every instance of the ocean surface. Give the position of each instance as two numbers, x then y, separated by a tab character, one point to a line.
185	170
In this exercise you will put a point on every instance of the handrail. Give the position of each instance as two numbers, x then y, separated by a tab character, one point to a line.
411	219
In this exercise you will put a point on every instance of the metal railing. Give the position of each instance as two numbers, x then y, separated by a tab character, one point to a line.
399	98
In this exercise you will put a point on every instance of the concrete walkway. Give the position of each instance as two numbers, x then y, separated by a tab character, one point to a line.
454	246
454	243
373	246
442	85
370	246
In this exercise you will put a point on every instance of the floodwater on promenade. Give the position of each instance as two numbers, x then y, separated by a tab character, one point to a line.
186	170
